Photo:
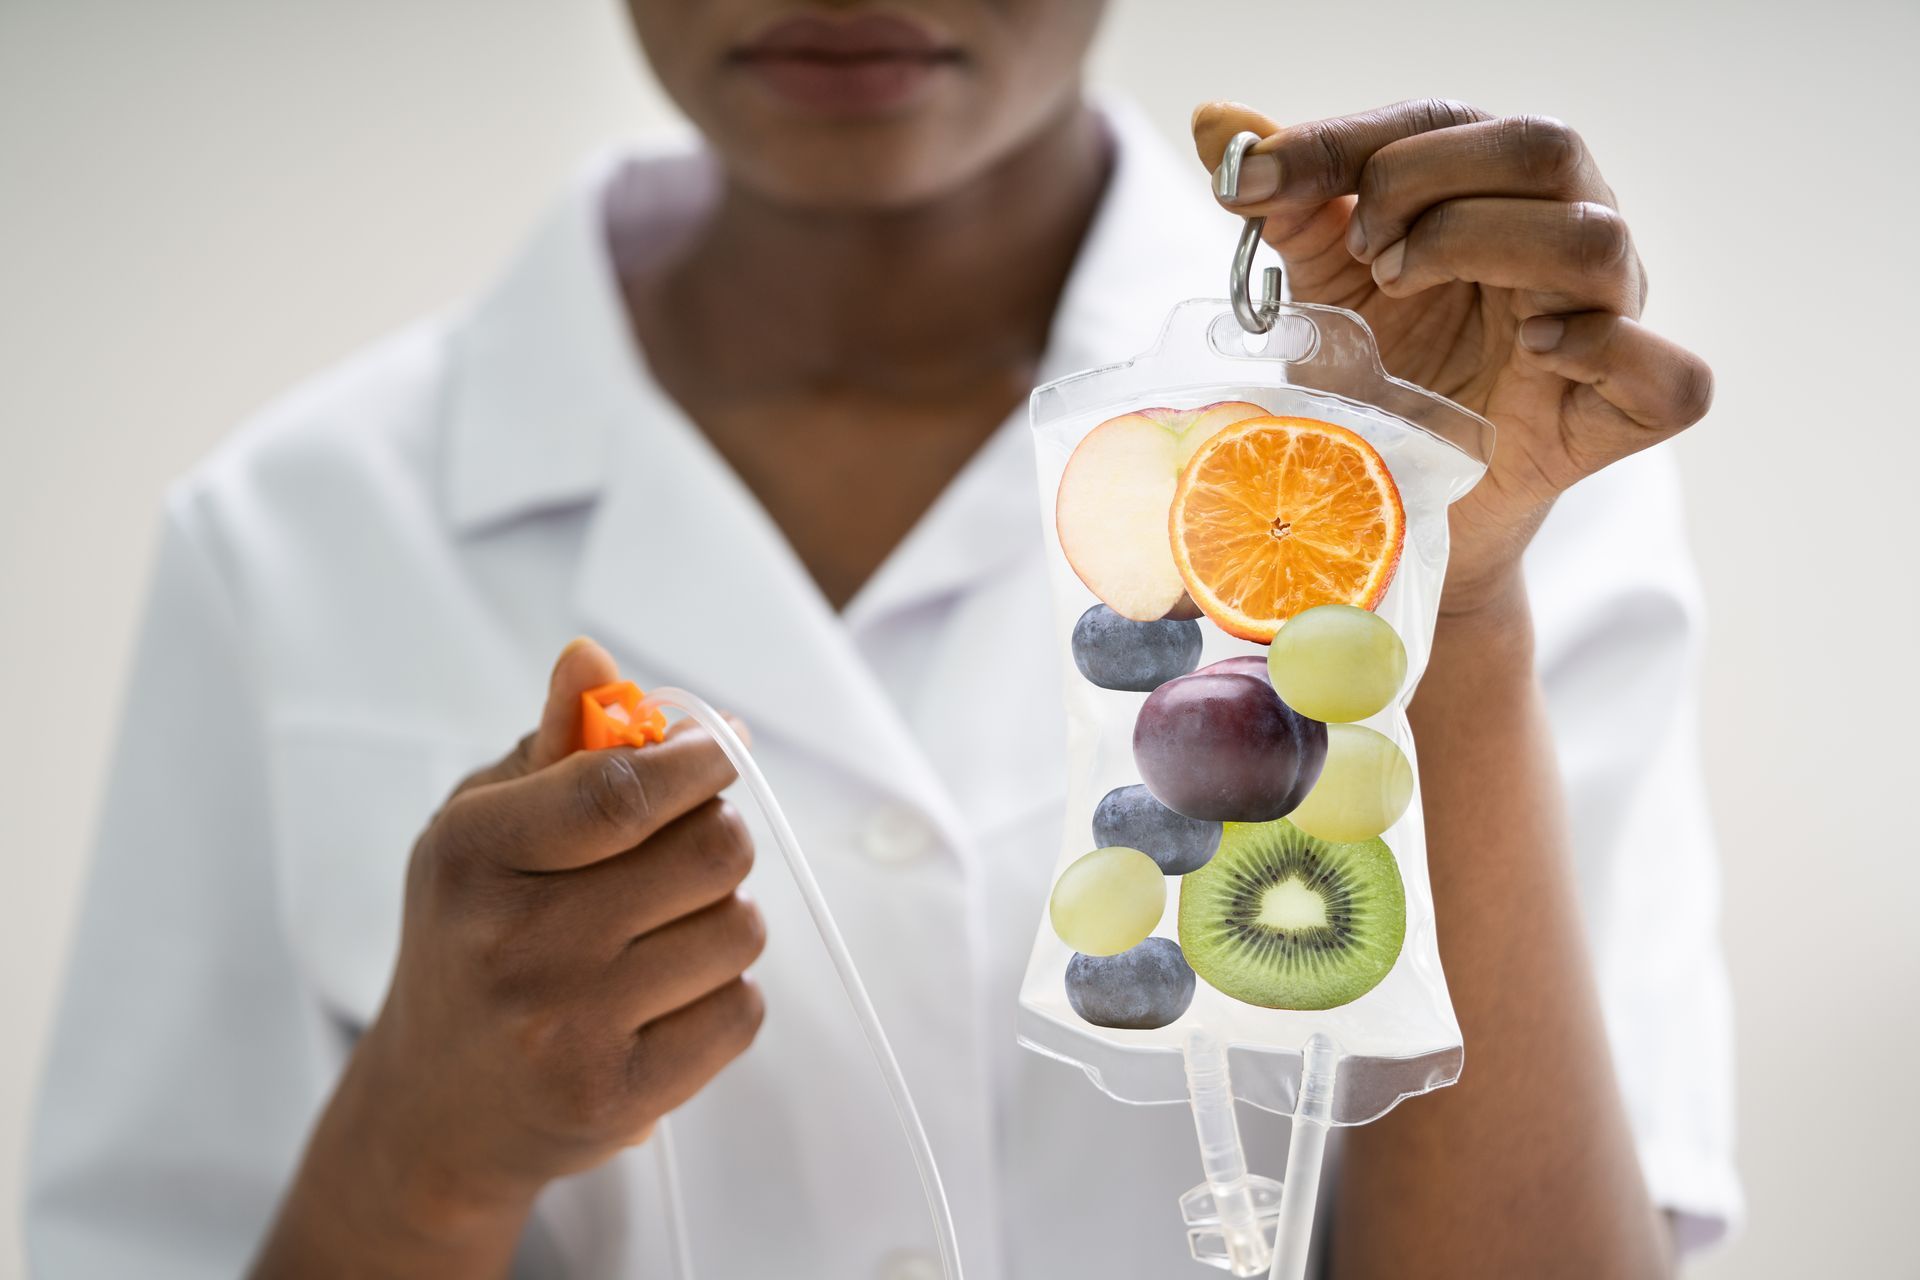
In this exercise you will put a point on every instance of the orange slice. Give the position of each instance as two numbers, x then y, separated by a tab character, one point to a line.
1273	516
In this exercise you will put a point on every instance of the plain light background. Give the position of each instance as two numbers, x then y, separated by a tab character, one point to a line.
201	202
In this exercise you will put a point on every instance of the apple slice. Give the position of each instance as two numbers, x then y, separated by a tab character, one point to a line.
1116	491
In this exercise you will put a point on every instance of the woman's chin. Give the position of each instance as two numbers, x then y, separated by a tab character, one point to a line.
876	163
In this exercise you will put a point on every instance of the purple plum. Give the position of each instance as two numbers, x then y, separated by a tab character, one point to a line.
1220	746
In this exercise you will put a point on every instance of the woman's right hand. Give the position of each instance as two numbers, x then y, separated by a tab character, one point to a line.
570	970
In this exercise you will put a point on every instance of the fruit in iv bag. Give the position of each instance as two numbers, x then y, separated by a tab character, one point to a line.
1273	516
1364	787
1119	653
1139	989
1221	746
1108	901
1111	512
1131	817
1285	920
1337	663
1245	664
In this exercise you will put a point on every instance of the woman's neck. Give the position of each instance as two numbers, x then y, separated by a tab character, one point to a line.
763	299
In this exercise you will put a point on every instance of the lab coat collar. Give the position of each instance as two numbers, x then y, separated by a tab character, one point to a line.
545	376
683	575
1157	239
543	372
981	524
686	573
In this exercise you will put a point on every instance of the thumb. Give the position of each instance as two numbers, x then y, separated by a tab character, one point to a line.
1215	123
1307	227
581	666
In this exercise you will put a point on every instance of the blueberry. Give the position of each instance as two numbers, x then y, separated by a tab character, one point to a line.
1118	653
1142	988
1130	816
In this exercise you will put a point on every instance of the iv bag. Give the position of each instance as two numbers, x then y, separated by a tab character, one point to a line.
1202	498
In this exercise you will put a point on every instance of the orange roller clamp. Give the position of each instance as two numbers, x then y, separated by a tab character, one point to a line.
612	716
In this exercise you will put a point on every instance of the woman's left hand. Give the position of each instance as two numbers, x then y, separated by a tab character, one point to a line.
1492	262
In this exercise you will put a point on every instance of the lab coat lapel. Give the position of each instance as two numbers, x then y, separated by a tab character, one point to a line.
682	574
684	571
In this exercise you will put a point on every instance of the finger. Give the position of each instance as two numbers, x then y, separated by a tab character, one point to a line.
693	863
674	1057
680	962
1215	123
1572	257
1309	239
1316	162
1522	156
589	806
511	765
1633	387
582	665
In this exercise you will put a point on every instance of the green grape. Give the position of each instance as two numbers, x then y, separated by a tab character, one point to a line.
1337	663
1363	789
1108	901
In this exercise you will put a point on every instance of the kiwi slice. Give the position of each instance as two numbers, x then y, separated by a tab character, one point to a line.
1285	920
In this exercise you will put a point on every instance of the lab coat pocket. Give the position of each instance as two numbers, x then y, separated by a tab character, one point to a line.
349	802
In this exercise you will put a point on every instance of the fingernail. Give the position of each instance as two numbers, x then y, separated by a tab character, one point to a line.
567	651
1259	180
1542	333
1386	267
1356	238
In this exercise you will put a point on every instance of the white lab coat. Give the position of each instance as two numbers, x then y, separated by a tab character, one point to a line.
356	601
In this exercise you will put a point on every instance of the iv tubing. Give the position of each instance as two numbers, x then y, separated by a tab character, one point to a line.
1305	1147
916	1134
679	1242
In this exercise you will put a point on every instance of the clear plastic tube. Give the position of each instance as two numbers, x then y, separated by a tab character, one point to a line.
796	859
1305	1149
679	1242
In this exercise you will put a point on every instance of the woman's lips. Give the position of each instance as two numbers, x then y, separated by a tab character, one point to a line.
846	66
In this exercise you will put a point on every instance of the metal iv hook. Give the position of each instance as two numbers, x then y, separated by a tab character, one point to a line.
1253	317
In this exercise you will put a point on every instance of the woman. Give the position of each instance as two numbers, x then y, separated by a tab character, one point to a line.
751	416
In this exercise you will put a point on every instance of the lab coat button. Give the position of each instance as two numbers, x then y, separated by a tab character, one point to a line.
909	1264
895	834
